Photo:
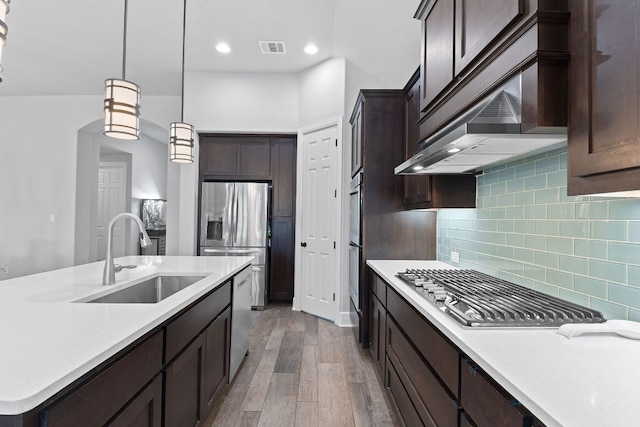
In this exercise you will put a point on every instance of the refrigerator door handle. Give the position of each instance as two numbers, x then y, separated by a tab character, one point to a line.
235	215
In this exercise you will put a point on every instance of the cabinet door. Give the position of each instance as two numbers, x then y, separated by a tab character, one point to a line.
437	49
184	387
604	97
356	138
416	187
282	259
478	23
377	332
254	157
218	156
216	366
284	176
143	411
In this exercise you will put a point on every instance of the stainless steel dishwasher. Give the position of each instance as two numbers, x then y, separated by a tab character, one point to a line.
240	319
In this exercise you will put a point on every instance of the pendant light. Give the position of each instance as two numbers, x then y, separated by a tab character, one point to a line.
181	134
122	100
4	9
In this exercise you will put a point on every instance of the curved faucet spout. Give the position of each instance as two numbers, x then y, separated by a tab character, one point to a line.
109	274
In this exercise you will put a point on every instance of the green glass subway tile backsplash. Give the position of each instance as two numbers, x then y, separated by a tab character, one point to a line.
527	230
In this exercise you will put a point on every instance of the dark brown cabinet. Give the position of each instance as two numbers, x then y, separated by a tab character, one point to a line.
455	33
216	364
184	387
377	332
477	24
265	158
194	376
145	410
356	138
470	48
388	230
438	45
122	380
604	130
430	191
174	373
430	381
229	156
485	403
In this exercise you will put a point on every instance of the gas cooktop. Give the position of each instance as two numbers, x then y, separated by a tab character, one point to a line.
479	300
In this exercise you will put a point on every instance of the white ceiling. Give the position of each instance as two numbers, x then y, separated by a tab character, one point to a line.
69	47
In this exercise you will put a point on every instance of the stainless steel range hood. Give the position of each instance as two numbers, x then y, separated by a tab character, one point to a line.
490	132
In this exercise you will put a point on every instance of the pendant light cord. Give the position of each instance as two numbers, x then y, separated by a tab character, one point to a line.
184	31
124	40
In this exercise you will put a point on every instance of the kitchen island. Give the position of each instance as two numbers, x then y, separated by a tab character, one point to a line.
584	381
50	343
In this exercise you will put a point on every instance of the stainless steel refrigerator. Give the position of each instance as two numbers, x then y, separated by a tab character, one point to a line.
233	221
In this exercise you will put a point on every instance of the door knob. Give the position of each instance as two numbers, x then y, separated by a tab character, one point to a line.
303	244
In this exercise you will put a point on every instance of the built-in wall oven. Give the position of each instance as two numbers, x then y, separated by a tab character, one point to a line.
355	241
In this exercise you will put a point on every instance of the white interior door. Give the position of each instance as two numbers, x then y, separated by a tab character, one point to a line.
112	181
319	267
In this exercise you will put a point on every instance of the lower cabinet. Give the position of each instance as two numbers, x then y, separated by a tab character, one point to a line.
174	373
216	363
184	387
121	381
144	410
194	377
430	381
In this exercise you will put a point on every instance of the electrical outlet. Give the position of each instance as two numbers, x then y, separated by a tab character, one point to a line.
455	257
4	269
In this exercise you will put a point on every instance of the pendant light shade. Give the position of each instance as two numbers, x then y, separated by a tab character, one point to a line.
122	109
182	135
122	100
4	9
181	142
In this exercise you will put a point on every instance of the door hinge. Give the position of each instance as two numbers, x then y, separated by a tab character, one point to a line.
334	296
336	142
334	244
335	193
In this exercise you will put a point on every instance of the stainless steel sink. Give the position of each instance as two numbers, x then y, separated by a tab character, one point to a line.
148	292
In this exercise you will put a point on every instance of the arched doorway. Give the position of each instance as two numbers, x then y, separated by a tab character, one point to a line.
145	161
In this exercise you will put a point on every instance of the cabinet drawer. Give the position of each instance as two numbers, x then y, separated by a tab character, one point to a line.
379	288
401	399
429	396
189	324
486	404
88	406
435	349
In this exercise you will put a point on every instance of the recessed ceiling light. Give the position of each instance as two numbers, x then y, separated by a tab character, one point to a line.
223	48
454	150
311	49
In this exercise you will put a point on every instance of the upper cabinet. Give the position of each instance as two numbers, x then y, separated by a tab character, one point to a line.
470	48
438	46
477	25
356	137
228	156
604	126
430	191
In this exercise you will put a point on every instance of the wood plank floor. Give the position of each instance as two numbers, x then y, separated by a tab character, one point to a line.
302	371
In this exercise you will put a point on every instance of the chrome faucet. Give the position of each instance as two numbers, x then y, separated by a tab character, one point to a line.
109	274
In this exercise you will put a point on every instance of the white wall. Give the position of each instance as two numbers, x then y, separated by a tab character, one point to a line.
321	92
38	149
242	102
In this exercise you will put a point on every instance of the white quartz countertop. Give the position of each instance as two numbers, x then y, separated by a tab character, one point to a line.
590	380
47	340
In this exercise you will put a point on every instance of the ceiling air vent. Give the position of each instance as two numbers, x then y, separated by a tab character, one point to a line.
272	47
